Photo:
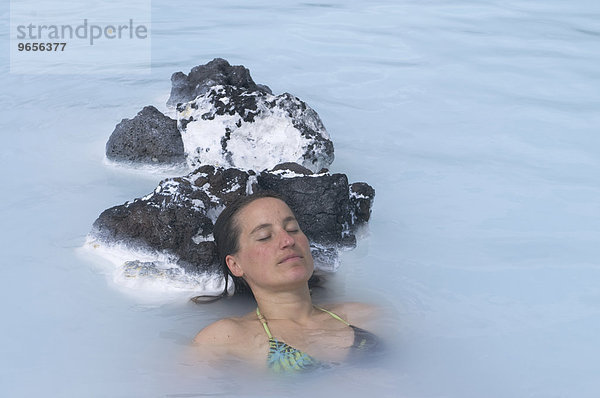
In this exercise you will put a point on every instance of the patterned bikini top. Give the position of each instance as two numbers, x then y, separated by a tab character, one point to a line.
283	357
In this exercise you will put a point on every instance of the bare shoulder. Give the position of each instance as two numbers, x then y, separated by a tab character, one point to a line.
227	341
355	313
223	333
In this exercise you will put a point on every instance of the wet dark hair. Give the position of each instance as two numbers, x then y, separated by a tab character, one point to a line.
227	236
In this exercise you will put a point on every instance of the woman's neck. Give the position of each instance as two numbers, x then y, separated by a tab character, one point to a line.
295	304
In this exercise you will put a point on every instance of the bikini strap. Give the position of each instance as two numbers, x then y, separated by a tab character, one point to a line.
262	319
333	315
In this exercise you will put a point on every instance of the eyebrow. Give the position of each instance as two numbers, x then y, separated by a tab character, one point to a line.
267	225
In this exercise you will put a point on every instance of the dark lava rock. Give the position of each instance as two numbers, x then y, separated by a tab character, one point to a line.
178	217
292	167
150	137
201	78
321	204
361	201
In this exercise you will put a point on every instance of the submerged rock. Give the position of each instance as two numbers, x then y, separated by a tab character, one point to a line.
179	215
148	269
232	127
170	277
150	137
201	78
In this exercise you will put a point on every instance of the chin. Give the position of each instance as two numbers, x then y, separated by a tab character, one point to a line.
301	272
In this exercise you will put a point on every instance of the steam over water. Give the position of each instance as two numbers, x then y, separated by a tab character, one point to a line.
475	121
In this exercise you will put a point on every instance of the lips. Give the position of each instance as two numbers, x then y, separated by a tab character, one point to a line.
289	257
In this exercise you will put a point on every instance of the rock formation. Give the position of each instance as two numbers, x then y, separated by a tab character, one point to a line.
238	138
218	72
150	137
179	215
232	127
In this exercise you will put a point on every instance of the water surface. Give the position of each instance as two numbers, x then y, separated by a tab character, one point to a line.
475	121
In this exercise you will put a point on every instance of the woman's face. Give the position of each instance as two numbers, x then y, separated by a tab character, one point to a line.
273	252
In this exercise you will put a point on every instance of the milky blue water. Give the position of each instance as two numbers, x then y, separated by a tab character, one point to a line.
477	122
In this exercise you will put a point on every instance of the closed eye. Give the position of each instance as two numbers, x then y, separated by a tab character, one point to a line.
291	226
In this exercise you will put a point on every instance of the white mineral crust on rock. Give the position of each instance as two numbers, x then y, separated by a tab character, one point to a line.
225	139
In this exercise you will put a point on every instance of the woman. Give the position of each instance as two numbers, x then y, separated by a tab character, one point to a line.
259	240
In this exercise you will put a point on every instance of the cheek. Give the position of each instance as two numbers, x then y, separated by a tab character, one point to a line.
306	245
303	240
261	253
255	256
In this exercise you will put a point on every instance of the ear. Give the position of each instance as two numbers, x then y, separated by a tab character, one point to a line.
234	266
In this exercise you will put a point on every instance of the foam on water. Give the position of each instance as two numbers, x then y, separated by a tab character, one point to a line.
146	170
150	275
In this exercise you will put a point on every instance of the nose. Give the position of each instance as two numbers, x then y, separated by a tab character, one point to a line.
286	239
